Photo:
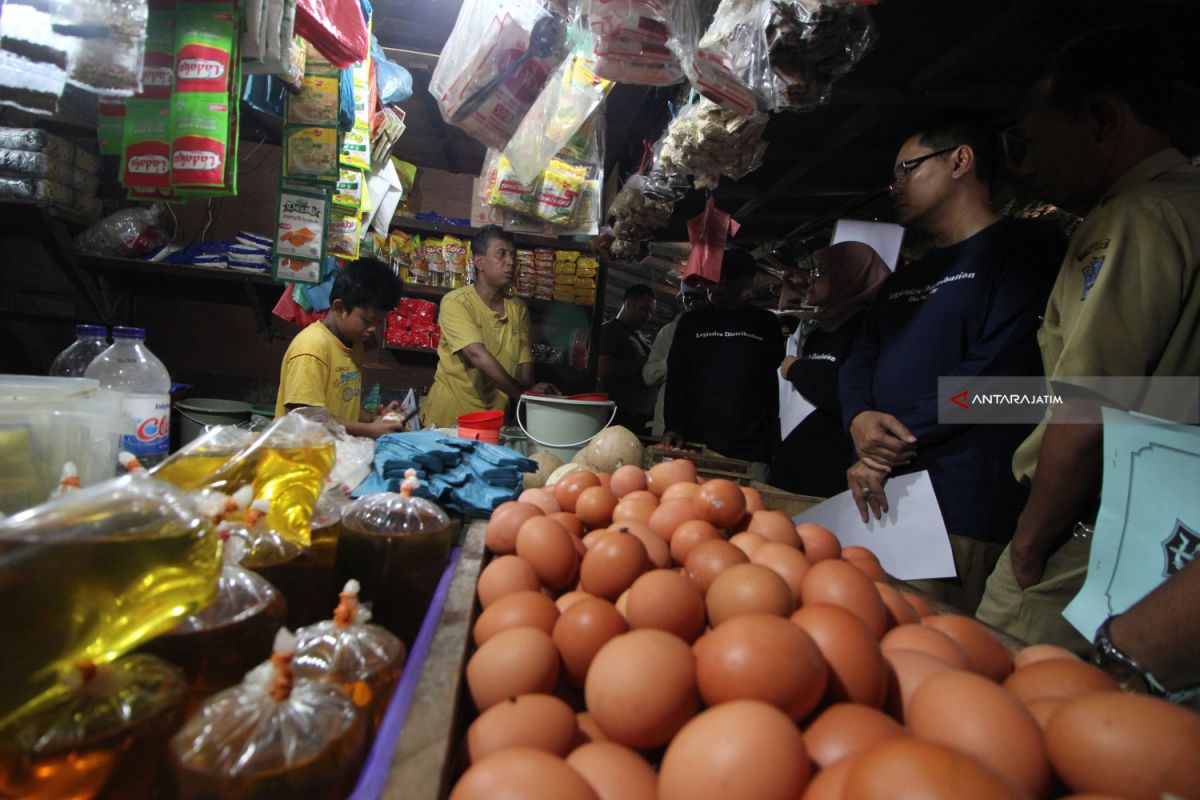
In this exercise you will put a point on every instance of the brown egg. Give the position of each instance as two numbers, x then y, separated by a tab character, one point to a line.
665	473
518	661
818	543
517	610
839	583
923	639
680	491
595	506
1131	745
720	502
642	496
657	548
747	589
972	714
667	601
743	750
605	479
688	535
550	550
589	731
627	478
847	729
633	511
591	537
615	772
671	514
542	498
622	604
911	769
747	542
919	603
869	567
830	782
569	521
855	551
569	599
986	654
1058	679
754	500
761	657
539	721
567	490
899	610
908	669
856	667
612	564
500	536
522	772
505	575
581	548
641	688
786	562
774	526
709	558
1043	710
582	630
1042	652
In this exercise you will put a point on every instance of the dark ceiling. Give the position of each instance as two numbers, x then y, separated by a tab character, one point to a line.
833	161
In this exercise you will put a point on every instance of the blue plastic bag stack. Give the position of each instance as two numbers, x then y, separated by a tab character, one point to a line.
468	476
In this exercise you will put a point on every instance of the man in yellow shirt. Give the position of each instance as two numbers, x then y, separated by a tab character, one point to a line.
323	364
1126	303
485	356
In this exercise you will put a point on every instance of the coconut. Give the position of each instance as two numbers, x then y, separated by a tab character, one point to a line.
614	447
547	463
565	469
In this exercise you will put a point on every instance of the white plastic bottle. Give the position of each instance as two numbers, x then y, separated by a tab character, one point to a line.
130	368
90	341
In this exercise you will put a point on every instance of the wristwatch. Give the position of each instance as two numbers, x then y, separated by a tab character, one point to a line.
1129	673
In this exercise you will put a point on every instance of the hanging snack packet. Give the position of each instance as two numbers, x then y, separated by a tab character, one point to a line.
507	191
418	269
349	194
110	126
344	235
435	261
204	45
311	154
146	152
301	224
561	186
317	101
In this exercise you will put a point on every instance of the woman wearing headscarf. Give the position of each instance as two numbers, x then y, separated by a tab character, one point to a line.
815	456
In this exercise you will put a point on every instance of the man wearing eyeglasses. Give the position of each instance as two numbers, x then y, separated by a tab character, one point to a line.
969	307
1126	302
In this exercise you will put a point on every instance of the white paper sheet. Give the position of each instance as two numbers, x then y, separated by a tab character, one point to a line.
793	406
885	237
910	541
386	190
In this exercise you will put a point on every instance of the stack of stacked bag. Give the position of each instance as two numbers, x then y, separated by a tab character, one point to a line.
413	324
469	476
39	166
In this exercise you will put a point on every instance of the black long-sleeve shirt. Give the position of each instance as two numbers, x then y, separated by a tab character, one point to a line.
972	308
815	456
721	386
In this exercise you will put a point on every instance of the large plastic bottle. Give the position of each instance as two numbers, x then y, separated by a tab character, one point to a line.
90	341
130	368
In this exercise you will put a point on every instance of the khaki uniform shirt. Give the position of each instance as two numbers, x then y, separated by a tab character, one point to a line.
459	388
1127	302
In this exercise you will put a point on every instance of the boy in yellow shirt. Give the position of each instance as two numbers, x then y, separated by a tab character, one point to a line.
323	364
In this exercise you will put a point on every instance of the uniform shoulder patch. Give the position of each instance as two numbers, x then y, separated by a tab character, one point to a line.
1091	248
1090	273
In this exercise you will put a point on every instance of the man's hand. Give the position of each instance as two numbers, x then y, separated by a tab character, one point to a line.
1027	569
672	440
383	426
391	408
866	487
786	365
545	388
882	441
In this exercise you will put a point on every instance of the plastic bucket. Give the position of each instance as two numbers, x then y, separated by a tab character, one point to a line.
197	413
562	425
483	426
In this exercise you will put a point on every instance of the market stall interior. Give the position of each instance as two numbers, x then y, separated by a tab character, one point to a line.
355	503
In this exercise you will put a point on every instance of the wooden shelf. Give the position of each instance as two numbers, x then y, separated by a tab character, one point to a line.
158	269
425	351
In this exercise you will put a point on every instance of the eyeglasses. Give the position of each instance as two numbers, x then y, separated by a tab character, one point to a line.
906	167
817	271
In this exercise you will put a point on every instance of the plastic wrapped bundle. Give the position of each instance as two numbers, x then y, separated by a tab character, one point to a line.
395	546
365	660
217	645
192	464
104	736
642	206
708	141
91	575
270	736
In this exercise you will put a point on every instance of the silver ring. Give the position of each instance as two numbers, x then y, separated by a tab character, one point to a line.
866	492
